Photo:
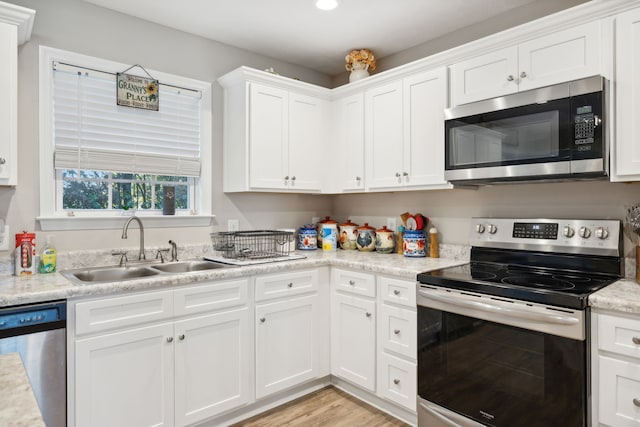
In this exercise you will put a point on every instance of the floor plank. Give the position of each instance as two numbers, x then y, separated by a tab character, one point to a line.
326	407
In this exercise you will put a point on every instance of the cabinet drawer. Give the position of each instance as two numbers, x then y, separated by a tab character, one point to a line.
619	335
398	291
353	282
120	312
619	398
397	381
284	285
206	298
398	330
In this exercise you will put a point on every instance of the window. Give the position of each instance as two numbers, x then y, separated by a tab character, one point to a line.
99	161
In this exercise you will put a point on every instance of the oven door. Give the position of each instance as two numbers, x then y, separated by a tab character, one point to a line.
496	374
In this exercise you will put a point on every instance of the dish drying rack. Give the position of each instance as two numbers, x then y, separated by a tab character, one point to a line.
255	244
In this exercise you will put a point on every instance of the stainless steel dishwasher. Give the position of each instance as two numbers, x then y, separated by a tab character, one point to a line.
38	333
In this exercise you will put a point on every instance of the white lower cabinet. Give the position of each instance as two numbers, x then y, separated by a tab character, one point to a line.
397	380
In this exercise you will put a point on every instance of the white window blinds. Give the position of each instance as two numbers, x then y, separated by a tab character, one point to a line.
91	132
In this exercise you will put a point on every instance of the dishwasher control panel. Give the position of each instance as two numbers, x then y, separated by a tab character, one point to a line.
17	317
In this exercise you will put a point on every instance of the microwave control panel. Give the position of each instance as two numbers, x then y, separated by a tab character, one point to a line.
585	123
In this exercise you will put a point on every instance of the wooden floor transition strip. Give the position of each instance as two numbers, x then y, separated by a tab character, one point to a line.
326	407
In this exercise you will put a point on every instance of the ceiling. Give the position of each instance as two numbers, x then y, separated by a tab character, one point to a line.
296	32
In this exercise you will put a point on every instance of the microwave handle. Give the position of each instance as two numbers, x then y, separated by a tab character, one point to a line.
520	314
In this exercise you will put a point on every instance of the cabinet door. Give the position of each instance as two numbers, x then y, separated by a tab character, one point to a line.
268	137
125	378
349	151
213	365
287	344
308	160
485	76
383	136
626	150
425	98
619	395
353	340
8	104
560	57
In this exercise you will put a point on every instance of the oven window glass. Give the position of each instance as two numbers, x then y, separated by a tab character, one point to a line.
500	375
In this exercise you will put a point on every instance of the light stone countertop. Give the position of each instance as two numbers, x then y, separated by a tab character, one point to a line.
48	287
622	296
19	407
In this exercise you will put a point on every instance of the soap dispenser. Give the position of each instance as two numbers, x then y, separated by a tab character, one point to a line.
48	257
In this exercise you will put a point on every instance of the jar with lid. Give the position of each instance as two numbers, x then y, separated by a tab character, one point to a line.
366	238
348	235
326	220
307	237
414	243
385	240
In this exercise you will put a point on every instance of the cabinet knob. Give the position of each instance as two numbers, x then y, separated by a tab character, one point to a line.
396	292
290	285
181	337
2	161
293	178
352	282
358	178
368	314
636	340
286	178
636	401
262	320
169	339
396	331
398	175
396	381
405	173
509	78
523	75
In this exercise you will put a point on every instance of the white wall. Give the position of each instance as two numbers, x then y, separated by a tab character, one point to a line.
87	29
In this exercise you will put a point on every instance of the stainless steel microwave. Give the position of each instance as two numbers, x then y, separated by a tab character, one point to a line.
552	133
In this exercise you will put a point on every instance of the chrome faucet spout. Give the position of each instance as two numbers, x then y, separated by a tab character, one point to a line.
141	255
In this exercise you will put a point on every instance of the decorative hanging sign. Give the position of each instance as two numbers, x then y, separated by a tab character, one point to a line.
137	92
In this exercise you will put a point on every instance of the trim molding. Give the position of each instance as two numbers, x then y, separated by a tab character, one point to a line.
20	17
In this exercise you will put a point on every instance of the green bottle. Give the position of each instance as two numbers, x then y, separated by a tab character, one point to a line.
48	257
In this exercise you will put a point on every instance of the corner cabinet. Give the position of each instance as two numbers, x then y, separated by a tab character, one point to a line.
558	57
404	132
626	150
348	120
274	128
15	28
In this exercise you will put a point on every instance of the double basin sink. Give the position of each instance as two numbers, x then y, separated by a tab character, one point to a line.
118	274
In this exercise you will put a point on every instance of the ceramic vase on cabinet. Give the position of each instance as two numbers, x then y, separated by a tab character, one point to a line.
359	71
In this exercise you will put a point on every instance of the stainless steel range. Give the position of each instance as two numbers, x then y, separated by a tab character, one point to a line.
504	340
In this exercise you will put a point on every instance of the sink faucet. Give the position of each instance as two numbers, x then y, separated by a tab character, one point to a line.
141	255
174	251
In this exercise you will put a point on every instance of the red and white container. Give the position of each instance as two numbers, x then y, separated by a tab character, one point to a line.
25	254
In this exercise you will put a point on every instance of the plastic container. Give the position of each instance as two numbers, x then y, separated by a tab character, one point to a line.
329	236
434	251
25	254
414	243
307	237
326	220
48	257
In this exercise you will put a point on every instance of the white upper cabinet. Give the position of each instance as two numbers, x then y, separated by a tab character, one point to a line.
625	149
15	28
274	129
348	120
404	132
561	56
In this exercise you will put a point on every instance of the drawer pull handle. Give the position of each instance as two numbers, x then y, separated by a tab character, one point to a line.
290	285
262	320
181	337
636	401
396	292
352	282
636	340
169	339
368	314
396	331
396	381
2	161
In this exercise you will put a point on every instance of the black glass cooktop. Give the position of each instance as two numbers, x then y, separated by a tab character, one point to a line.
546	286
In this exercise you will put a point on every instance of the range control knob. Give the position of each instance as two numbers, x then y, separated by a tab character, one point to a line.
602	233
479	228
492	229
584	232
567	231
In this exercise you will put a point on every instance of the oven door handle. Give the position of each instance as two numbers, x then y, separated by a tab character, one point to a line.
520	314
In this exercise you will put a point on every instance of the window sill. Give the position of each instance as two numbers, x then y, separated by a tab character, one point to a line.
55	223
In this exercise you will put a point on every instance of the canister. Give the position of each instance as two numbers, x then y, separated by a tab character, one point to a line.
326	220
329	236
414	243
25	253
348	235
385	240
366	238
307	237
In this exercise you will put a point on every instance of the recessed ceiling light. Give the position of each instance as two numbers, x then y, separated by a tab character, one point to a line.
326	4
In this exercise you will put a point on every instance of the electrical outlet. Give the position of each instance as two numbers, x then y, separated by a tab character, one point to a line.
315	219
4	239
391	223
233	225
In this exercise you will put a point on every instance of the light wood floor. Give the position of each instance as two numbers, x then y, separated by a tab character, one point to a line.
325	407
